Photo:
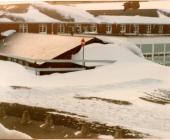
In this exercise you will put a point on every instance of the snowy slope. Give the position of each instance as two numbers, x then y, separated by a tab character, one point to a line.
127	79
11	134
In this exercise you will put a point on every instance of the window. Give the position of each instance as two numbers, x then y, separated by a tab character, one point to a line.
167	48
23	28
158	48
147	51
61	28
146	48
42	28
78	28
148	29
159	53
108	29
136	29
122	28
93	28
160	30
85	29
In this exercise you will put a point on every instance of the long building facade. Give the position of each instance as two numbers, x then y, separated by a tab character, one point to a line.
88	28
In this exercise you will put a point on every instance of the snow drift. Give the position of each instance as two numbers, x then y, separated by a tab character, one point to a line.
11	134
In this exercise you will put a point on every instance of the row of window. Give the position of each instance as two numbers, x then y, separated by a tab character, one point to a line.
154	48
136	29
23	28
93	28
77	28
159	53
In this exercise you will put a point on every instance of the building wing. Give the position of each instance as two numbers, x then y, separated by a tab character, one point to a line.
39	46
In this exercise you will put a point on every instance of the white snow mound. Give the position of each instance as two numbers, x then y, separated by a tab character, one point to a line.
11	134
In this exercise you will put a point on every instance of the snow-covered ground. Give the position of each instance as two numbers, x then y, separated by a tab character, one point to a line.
127	79
11	134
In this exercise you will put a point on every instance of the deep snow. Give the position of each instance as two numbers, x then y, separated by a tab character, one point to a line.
126	79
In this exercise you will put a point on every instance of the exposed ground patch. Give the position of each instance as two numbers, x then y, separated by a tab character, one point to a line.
159	96
113	101
65	126
20	87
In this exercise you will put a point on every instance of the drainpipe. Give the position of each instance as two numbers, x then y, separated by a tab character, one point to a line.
52	28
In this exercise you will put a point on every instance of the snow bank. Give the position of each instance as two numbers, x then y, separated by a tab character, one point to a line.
11	134
124	54
110	52
68	12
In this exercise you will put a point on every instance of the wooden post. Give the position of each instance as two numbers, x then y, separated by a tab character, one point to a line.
49	123
2	112
118	133
85	129
26	119
82	45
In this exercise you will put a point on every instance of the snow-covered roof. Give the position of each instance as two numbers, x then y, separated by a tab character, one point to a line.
4	20
40	46
67	12
8	33
134	20
32	15
153	4
46	12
